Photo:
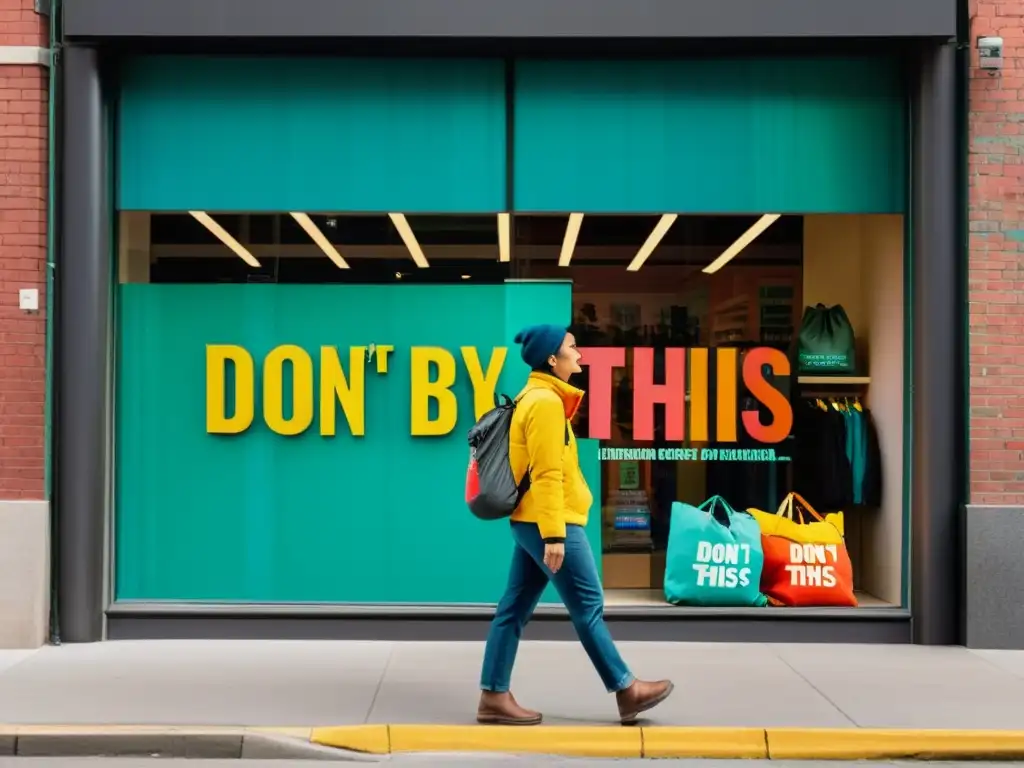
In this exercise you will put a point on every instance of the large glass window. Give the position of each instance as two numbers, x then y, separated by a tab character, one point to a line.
705	300
732	379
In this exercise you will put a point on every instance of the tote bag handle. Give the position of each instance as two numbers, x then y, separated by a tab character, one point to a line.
786	508
715	503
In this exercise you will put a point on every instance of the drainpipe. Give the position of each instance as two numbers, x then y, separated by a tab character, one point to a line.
963	141
53	158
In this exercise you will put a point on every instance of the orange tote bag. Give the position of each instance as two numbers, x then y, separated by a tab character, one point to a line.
805	563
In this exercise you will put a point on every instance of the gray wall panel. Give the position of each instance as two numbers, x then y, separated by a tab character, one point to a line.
995	575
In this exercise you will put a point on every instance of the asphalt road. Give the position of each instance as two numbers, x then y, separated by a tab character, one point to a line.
445	760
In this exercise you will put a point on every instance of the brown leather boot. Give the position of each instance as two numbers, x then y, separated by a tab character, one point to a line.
503	709
640	697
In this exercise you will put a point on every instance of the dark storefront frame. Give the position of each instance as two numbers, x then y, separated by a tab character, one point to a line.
83	450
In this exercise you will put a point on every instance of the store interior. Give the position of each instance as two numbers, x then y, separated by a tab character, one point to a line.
659	282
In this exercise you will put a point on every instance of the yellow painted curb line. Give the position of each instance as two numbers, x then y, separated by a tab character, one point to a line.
722	743
672	742
881	743
575	741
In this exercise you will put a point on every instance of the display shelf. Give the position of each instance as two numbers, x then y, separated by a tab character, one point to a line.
837	381
627	549
635	597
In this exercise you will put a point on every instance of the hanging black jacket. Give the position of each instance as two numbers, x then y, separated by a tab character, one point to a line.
872	490
821	471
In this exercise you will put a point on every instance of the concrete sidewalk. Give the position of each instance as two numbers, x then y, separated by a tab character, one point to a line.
321	683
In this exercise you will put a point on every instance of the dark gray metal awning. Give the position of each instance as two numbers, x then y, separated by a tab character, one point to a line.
507	19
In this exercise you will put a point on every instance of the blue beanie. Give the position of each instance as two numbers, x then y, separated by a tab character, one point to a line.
539	343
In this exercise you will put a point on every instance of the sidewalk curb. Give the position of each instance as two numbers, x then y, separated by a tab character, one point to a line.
679	742
369	743
207	742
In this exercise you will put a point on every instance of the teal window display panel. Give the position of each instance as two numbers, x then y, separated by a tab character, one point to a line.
260	517
317	134
704	136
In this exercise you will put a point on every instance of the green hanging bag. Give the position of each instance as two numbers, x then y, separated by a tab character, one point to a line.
826	342
714	556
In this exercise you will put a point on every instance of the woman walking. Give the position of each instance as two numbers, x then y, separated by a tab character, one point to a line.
550	542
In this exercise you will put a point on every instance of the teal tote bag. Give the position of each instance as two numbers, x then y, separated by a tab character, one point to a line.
714	556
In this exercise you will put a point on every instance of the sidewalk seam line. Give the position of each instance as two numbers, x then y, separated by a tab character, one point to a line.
380	684
993	665
31	655
817	690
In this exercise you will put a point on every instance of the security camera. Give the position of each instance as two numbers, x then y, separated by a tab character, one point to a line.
990	53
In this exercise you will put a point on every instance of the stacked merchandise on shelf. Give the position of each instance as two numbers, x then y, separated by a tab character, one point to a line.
630	521
775	303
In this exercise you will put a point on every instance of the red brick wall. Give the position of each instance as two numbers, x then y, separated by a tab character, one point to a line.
23	177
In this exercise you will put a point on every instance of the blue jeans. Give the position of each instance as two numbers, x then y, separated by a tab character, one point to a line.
580	589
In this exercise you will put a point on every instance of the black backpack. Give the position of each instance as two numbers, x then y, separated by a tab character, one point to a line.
491	490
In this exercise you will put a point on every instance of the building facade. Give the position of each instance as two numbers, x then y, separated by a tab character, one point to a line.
25	162
291	253
994	264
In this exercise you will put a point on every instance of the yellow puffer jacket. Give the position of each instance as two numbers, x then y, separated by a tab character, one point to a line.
558	494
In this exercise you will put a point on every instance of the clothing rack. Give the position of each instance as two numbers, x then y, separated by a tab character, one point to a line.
826	393
839	386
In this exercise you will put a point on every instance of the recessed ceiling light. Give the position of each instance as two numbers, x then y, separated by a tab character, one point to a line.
572	231
320	239
504	237
659	231
742	242
406	233
222	234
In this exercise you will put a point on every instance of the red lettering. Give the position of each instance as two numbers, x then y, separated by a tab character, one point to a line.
769	396
646	393
600	362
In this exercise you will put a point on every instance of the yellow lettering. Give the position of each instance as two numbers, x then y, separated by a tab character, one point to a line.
383	350
423	390
302	390
484	384
351	393
217	421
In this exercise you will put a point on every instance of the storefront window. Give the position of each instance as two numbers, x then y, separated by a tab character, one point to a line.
841	450
717	385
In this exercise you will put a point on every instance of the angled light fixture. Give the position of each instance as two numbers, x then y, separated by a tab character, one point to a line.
742	242
320	239
405	232
572	231
504	237
659	231
222	234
